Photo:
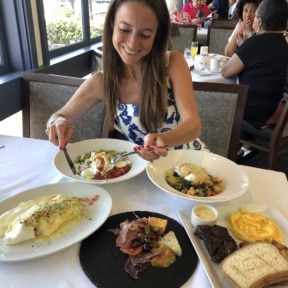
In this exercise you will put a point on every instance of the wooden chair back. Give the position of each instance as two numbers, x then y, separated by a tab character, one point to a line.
275	138
221	110
225	22
217	38
188	33
44	94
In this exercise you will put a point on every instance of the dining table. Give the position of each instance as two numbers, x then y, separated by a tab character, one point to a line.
202	73
28	163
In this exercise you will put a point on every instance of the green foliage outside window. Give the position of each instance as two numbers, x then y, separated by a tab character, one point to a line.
66	32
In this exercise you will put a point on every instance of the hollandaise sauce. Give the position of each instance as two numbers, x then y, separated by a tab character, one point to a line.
205	213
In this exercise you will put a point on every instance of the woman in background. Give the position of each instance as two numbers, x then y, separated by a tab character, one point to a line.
261	62
147	100
246	10
193	7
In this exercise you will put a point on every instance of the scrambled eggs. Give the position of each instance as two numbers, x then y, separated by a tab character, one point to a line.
250	227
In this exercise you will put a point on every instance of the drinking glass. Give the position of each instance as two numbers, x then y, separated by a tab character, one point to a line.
194	49
188	57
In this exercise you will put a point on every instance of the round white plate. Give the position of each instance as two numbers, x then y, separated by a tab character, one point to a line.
76	149
235	180
99	212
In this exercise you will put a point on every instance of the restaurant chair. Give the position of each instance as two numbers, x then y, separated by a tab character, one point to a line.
221	109
225	22
273	140
217	38
98	57
188	33
44	94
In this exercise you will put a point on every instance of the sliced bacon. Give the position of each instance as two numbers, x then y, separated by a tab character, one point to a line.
129	231
134	270
137	264
143	257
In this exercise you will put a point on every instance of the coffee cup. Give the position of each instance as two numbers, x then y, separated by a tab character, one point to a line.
204	50
214	64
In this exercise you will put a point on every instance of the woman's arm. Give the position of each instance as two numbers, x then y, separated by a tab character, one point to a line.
59	128
231	46
233	67
190	126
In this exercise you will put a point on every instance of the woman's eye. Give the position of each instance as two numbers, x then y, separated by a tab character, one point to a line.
124	30
145	36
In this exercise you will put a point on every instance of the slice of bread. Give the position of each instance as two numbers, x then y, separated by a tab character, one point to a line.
255	265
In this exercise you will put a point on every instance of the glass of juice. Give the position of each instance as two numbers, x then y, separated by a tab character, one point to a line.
194	48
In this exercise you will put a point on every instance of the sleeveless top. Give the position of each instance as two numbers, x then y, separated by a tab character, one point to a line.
127	121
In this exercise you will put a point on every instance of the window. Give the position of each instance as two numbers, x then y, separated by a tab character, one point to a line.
3	55
63	22
97	13
70	24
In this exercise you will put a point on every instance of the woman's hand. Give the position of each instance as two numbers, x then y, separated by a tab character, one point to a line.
239	39
196	21
59	131
151	150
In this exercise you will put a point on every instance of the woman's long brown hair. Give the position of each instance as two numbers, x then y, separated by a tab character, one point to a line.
153	103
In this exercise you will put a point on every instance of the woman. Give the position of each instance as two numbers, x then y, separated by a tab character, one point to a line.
193	7
138	72
222	8
261	62
246	10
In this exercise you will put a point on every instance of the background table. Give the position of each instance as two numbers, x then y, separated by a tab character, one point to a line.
28	163
215	78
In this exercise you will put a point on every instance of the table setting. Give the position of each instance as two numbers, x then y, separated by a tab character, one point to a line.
206	66
87	255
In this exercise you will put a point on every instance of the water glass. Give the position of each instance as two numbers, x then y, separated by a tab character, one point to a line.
187	55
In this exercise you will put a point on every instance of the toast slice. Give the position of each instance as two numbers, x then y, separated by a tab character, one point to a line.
255	265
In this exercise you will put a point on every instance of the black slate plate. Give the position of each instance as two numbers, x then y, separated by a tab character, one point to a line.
103	262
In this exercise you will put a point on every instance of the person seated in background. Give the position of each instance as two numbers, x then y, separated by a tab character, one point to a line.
232	13
181	18
193	7
246	10
221	7
261	62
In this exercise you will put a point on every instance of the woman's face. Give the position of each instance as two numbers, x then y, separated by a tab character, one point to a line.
134	31
196	3
249	12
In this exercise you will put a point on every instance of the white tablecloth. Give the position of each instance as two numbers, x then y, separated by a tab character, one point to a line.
28	163
214	78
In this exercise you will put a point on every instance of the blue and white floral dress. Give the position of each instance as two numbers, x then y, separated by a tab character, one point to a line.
127	121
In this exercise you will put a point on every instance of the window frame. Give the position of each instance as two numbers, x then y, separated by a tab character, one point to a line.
4	64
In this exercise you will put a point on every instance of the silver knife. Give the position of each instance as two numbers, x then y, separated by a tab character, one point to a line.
70	162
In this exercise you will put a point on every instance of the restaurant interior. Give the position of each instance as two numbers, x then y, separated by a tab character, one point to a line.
38	76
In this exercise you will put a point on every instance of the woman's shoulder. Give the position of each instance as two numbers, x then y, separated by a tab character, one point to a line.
95	83
172	57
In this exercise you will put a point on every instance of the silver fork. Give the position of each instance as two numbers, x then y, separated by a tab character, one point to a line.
120	155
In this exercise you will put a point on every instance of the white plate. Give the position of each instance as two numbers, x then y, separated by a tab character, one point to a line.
212	269
76	149
235	180
99	212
